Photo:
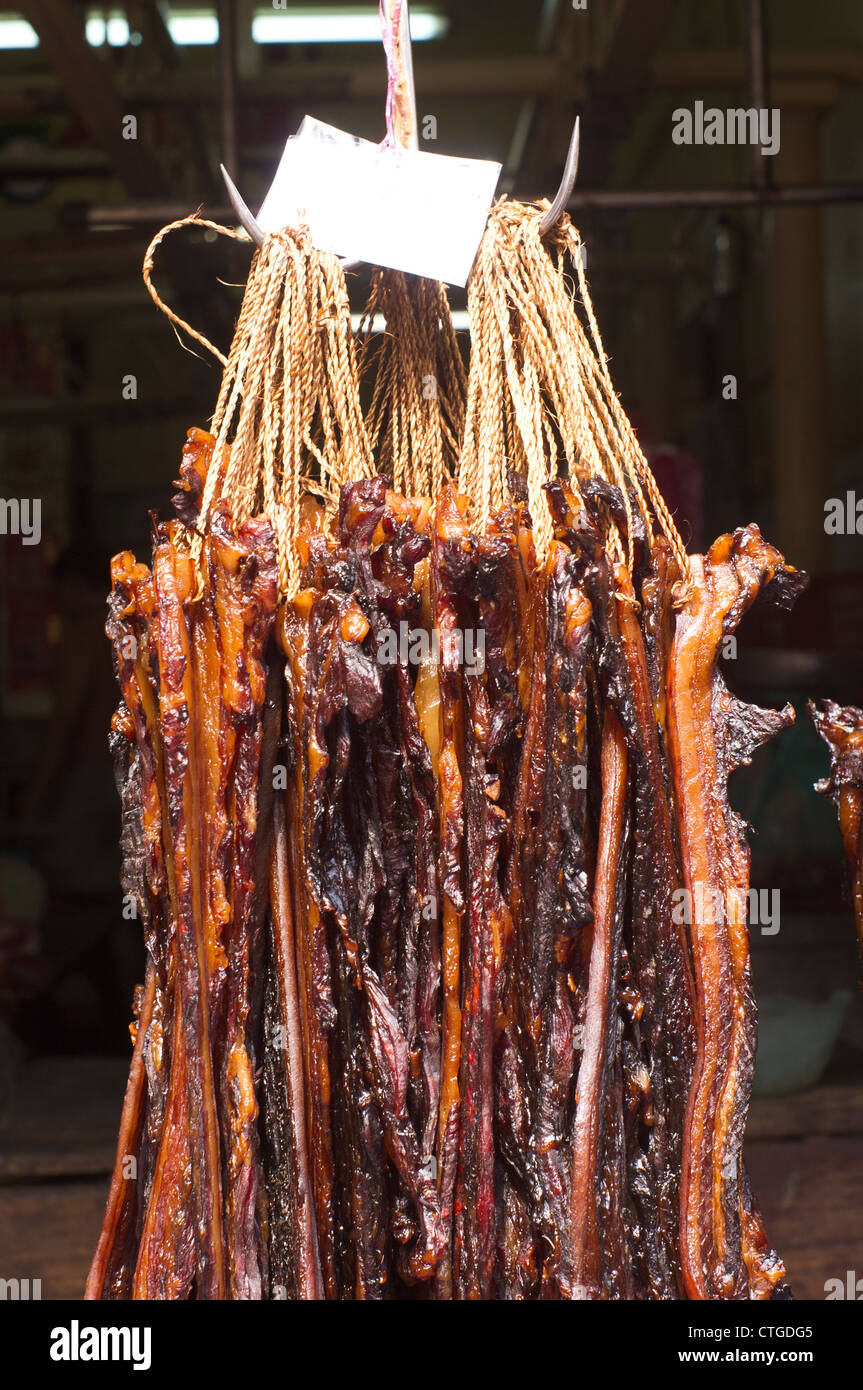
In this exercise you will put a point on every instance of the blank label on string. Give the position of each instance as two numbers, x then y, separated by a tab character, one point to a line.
421	213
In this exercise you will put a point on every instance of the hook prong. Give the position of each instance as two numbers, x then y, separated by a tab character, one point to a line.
567	183
244	216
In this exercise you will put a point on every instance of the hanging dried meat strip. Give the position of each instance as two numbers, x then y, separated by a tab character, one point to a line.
451	559
174	581
294	1255
596	1250
402	1028
113	1267
548	892
491	711
620	1243
354	716
242	589
295	1263
479	586
711	733
662	971
563	906
134	742
167	1255
300	638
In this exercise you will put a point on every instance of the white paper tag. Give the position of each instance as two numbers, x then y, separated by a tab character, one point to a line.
421	213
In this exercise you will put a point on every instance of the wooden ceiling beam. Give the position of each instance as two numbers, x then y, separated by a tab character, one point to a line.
90	92
461	79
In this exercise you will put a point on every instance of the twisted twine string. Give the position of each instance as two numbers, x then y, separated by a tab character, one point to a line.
538	393
415	416
540	389
288	417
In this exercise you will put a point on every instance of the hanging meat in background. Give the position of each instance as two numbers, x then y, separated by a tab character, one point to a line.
841	728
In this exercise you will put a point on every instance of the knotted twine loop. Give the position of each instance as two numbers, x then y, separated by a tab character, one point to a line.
416	415
288	418
539	384
193	220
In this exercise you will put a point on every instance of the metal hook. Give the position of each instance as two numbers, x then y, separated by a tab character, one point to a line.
567	183
244	216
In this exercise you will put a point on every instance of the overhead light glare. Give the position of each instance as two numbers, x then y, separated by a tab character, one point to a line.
312	24
191	30
15	32
113	30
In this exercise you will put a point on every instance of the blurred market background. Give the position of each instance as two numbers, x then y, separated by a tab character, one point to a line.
728	289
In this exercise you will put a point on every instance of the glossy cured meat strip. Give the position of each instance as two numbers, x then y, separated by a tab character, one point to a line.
134	741
520	1263
242	588
477	587
132	627
625	1257
493	716
711	733
165	1265
549	898
167	1257
563	908
113	1267
300	639
339	674
474	1202
590	1227
450	561
389	573
348	884
229	622
348	832
395	1026
175	583
662	1019
294	1256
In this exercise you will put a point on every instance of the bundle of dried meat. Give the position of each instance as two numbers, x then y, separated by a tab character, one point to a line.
426	821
